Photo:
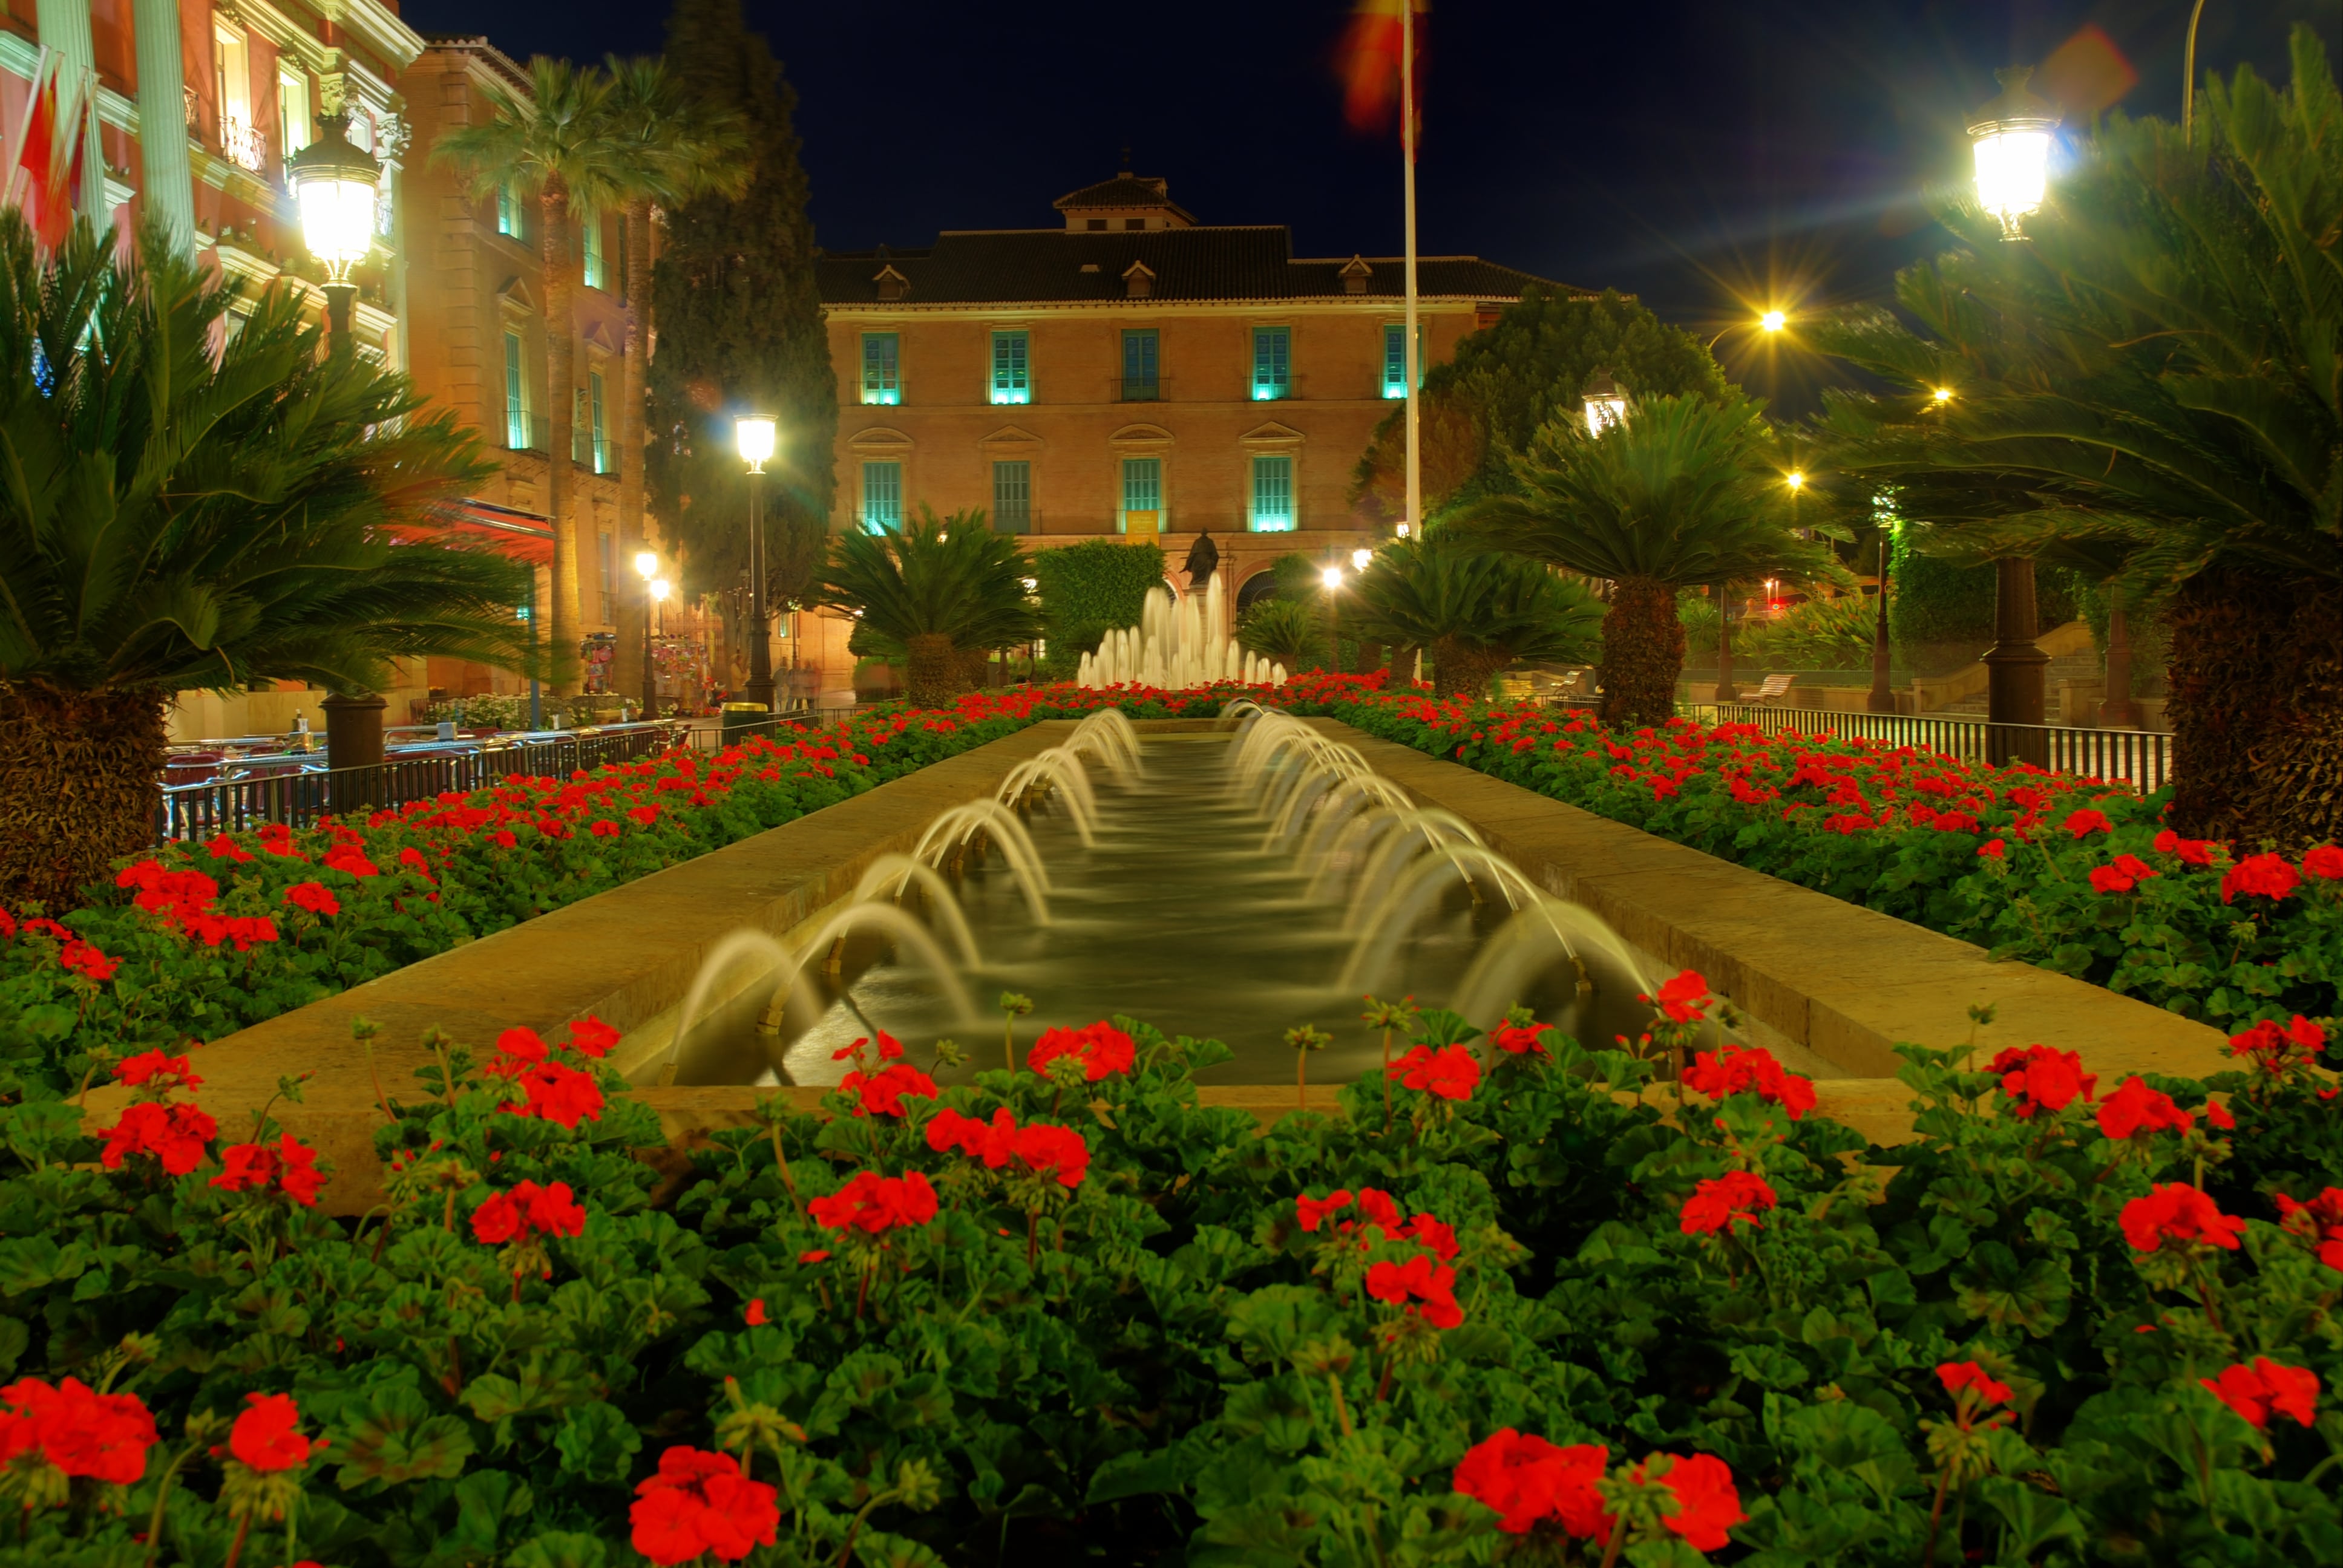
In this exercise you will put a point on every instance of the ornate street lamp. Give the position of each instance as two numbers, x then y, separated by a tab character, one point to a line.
337	187
1607	403
647	568
754	435
2012	138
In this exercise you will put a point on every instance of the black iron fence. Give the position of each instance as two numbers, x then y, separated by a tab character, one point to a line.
298	796
2139	757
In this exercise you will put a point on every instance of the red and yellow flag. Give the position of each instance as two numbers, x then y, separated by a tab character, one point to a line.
1368	59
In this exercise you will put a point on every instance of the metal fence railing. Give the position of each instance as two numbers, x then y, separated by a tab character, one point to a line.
2139	757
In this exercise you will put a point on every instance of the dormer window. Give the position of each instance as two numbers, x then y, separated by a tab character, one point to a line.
1355	275
1134	223
893	285
1095	226
1138	281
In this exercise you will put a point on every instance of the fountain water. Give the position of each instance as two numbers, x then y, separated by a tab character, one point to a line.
955	827
1061	767
1179	643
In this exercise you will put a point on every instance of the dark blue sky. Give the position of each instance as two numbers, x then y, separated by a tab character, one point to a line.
1695	152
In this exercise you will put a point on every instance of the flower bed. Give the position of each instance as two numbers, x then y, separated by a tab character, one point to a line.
2064	872
1540	1304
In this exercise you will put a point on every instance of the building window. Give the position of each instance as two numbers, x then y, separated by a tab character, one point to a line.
1012	497
1141	352
509	211
232	81
883	368
1272	495
587	443
1012	382
1272	362
882	498
591	246
608	619
1142	495
1395	359
293	123
516	395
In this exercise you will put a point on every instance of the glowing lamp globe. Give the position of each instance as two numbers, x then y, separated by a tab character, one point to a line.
660	589
1606	403
2012	138
646	564
1774	321
1795	479
335	186
1359	559
1332	576
754	432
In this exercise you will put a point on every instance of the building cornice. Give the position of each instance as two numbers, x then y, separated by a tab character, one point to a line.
375	24
1345	305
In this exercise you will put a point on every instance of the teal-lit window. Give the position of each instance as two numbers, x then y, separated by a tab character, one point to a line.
600	454
516	395
508	210
1143	490
1272	362
882	498
1141	359
1012	497
590	247
1272	495
1395	359
883	368
1012	381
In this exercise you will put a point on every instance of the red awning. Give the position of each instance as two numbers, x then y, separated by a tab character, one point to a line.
510	531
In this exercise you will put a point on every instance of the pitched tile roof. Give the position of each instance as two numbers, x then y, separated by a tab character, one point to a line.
1125	191
1002	267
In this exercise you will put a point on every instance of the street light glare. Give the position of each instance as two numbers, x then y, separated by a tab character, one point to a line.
754	432
1944	393
646	564
1332	576
1796	479
1774	320
1359	559
660	589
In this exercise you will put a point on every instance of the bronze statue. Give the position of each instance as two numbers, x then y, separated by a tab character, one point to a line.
1203	559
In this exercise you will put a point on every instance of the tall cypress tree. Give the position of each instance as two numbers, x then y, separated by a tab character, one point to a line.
738	327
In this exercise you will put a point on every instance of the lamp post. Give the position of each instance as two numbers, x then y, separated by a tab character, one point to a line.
1883	691
2011	136
1333	577
2188	78
754	432
1607	403
337	186
647	568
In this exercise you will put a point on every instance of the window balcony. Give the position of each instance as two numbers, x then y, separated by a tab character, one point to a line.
1142	388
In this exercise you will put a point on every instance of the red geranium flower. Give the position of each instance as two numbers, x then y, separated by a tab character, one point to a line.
700	1503
102	1436
2268	875
264	1435
1707	1504
1958	1375
85	958
2176	1211
881	1093
561	1095
1752	1068
1425	1287
755	1315
1449	1072
1104	1048
1685	998
2136	1107
291	1168
1730	1199
2040	1078
2265	1388
591	1036
175	1134
1048	1151
313	896
1313	1211
2324	862
2319	1222
2273	1047
154	1070
1527	1480
2191	851
876	1204
1519	1039
2086	822
529	1212
2123	874
1992	849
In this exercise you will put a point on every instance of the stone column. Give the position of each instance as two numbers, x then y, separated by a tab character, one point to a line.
65	28
2014	667
169	188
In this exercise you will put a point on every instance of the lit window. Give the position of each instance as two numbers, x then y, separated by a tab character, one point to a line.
1141	356
608	619
508	210
1142	495
882	498
1012	382
232	82
883	368
516	395
591	248
1272	362
293	122
1012	497
1395	359
588	445
1272	495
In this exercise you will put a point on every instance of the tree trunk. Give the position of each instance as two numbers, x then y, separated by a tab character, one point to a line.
1643	653
627	666
2117	711
1726	691
1460	669
974	664
933	675
2256	709
560	391
80	777
2013	669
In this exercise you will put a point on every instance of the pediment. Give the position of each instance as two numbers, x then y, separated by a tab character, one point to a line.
597	336
1010	435
879	441
1270	434
514	294
1141	436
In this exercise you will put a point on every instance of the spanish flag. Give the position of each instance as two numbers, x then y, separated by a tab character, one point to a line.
1368	59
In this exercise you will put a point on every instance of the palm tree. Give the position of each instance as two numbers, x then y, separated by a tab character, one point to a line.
1477	609
2154	377
558	142
1284	629
678	150
1684	490
944	588
187	509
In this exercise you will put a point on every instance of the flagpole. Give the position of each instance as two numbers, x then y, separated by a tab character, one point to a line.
1408	344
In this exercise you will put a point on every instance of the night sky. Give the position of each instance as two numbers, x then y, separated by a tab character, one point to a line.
1704	154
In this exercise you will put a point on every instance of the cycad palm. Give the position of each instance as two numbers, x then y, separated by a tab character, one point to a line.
2157	375
943	587
1684	490
560	144
677	150
1476	608
174	522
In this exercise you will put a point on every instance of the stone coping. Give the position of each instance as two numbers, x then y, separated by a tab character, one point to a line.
1842	981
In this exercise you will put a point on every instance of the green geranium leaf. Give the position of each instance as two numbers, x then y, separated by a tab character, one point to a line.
399	1439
